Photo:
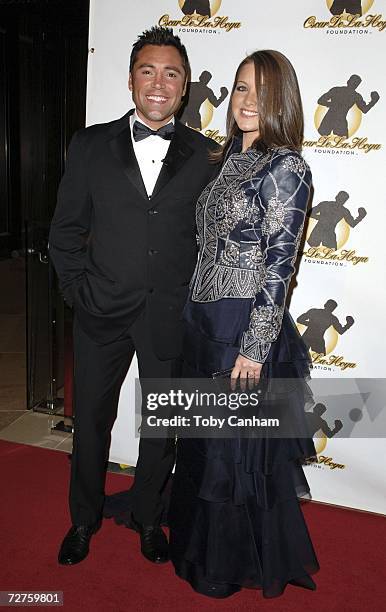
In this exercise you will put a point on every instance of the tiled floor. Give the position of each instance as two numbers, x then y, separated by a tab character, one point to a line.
12	342
36	429
17	424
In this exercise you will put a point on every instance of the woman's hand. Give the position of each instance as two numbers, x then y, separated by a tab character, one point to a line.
245	369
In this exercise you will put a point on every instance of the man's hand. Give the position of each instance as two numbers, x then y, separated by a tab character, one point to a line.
246	370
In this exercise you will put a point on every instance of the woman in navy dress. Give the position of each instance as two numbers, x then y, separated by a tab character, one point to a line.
235	518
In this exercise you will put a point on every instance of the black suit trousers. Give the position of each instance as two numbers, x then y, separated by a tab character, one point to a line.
99	371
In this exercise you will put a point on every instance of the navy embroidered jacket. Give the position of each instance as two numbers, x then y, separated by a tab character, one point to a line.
250	222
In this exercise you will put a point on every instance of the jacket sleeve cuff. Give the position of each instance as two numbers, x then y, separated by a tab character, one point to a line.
264	328
253	350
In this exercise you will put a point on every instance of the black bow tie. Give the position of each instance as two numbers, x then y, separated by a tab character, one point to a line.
141	131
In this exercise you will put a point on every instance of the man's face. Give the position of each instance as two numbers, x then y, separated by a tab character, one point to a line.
157	82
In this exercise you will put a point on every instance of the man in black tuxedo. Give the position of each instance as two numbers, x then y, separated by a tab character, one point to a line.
123	244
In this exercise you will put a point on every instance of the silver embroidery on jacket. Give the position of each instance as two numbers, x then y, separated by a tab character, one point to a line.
230	255
250	222
274	217
253	257
295	164
229	211
219	210
298	240
264	327
265	322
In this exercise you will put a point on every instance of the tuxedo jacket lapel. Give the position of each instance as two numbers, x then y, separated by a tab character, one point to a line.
122	148
178	153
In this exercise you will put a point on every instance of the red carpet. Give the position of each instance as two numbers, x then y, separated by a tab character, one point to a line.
34	517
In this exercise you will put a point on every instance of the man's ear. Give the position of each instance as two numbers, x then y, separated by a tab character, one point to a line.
130	82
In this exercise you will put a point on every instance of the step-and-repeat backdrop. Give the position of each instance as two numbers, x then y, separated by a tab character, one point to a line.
338	49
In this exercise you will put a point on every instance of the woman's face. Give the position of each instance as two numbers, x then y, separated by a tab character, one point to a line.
244	104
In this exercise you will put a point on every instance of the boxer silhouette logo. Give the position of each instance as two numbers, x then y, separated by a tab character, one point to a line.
321	328
197	112
330	222
339	110
318	427
351	7
320	443
199	7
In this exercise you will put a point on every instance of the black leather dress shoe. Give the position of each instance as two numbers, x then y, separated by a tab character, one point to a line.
154	544
75	545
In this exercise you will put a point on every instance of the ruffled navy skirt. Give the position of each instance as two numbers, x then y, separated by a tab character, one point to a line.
234	516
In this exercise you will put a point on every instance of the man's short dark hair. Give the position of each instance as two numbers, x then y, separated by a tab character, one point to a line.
160	37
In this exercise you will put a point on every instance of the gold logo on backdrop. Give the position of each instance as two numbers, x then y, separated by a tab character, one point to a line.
198	109
323	460
200	7
200	16
338	116
320	443
321	432
328	230
352	7
348	17
321	330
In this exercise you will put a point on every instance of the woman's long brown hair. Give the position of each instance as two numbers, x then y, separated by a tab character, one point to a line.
279	104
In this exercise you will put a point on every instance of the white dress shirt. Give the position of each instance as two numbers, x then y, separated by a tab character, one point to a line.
149	153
